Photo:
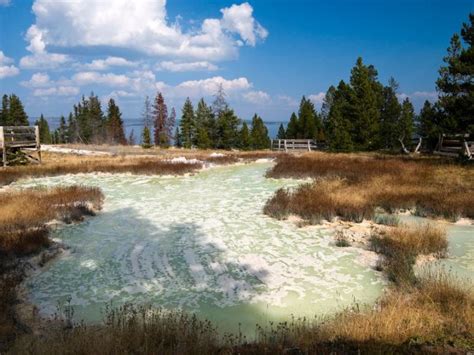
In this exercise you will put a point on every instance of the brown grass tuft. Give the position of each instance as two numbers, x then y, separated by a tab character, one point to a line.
352	186
23	214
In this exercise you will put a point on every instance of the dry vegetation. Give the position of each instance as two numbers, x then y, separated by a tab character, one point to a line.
352	186
24	214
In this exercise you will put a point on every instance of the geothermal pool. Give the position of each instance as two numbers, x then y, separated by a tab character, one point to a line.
200	243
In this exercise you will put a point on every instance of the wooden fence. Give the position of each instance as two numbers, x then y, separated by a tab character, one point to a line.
20	138
294	144
455	145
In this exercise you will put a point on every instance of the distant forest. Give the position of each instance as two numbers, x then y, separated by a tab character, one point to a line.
359	115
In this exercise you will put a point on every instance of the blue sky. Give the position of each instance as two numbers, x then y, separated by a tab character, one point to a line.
266	54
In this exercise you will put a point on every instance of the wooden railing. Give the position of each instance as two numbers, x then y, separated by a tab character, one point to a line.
455	145
294	144
18	138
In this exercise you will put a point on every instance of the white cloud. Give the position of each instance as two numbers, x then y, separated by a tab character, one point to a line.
239	19
419	95
104	64
135	25
5	69
40	58
186	66
37	80
257	97
109	79
8	70
205	87
57	91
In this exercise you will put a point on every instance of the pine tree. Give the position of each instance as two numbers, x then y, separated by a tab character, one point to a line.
227	129
327	104
5	112
281	132
244	137
72	129
306	120
366	107
114	126
146	138
89	120
220	104
177	138
204	124
44	132
390	115
292	129
339	121
62	131
187	124
406	123
16	112
160	116
428	124
456	82
259	134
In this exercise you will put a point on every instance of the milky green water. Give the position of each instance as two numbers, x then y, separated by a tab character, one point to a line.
200	243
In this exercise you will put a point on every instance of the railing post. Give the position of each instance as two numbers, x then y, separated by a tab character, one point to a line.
2	146
38	143
309	146
284	143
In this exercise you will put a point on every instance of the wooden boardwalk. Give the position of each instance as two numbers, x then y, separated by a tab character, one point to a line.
20	138
294	145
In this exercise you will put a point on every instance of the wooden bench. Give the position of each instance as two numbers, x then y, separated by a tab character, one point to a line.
20	138
455	145
294	144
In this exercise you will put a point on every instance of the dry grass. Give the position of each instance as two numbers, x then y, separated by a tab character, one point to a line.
61	165
401	245
23	214
352	186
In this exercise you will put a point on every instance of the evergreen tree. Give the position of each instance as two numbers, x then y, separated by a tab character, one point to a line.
44	132
13	112
146	138
61	131
72	129
428	125
306	120
340	118
177	138
220	104
456	82
259	134
281	132
244	137
187	124
114	126
292	129
5	112
160	117
227	129
89	121
406	123
327	103
204	125
390	115
366	106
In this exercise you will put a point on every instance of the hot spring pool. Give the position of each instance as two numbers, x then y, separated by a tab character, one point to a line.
200	243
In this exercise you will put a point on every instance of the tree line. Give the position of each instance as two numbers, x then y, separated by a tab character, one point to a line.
208	126
363	114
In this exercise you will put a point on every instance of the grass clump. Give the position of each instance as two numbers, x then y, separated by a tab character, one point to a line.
341	240
24	214
401	245
353	186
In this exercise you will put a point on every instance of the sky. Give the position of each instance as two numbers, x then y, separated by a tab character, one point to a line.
265	53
